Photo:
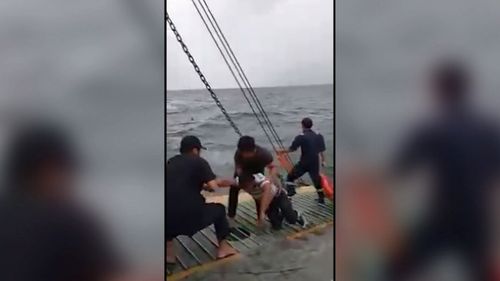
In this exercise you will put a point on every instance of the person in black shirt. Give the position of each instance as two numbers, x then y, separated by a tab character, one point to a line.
44	233
187	213
312	152
249	159
461	148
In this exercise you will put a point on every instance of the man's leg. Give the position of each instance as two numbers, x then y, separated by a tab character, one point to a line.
294	174
257	207
233	201
215	213
286	207
274	214
316	179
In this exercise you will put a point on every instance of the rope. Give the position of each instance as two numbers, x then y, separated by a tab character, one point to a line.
241	74
200	74
266	123
234	75
218	32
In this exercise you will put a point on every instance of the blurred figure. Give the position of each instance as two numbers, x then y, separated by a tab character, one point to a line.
187	213
44	233
461	148
312	147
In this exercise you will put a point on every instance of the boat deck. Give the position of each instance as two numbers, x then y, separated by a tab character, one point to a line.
198	252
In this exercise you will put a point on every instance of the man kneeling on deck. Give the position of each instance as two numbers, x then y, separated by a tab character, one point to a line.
187	213
271	200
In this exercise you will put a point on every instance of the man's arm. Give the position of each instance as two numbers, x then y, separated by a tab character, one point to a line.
273	174
295	145
225	182
211	182
207	176
271	169
218	183
237	164
322	158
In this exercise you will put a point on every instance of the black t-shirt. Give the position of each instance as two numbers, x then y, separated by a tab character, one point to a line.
253	165
311	145
462	151
186	175
51	241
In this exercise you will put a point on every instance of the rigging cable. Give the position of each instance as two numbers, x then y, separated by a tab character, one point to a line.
234	76
240	71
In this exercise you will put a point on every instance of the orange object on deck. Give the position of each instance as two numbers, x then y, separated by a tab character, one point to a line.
325	183
284	162
327	187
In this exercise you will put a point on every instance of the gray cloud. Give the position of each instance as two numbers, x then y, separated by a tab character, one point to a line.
277	42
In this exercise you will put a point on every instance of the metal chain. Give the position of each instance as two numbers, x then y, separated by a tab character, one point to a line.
202	77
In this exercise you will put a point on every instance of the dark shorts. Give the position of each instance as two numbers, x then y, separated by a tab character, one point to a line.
188	225
312	169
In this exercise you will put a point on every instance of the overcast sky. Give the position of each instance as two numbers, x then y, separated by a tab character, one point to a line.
278	42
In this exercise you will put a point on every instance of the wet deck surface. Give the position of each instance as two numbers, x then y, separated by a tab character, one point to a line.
265	252
306	259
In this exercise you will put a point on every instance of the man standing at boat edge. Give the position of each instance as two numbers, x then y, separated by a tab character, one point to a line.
312	146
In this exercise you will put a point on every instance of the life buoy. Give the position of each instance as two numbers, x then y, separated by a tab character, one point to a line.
327	187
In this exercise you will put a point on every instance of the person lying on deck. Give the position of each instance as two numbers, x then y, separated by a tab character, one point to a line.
187	212
280	206
270	198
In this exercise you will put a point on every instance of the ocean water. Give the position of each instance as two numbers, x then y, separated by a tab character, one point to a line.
193	112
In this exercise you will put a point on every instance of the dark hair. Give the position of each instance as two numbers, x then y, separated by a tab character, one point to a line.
307	123
190	142
451	81
246	143
33	147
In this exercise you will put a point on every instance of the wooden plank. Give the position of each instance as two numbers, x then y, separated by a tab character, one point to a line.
199	251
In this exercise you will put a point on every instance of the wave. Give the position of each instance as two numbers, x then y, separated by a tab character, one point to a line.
218	123
171	108
245	114
192	128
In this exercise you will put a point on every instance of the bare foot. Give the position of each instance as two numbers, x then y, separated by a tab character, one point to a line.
260	224
225	250
170	252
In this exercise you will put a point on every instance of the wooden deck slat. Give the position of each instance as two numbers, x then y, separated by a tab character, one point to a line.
200	249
